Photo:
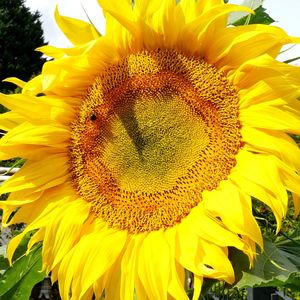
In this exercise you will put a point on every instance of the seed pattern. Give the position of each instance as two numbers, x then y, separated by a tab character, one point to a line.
153	132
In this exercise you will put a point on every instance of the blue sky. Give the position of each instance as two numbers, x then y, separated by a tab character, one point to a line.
284	12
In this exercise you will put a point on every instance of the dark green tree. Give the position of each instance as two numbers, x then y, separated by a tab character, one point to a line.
20	33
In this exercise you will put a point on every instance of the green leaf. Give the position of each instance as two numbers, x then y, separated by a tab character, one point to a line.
293	282
275	266
240	262
17	282
260	17
253	4
3	261
290	246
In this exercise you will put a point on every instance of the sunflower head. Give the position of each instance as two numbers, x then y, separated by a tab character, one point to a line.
145	146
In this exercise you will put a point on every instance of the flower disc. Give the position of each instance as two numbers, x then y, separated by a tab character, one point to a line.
153	132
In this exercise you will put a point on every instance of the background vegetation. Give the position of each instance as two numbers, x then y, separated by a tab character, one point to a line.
20	34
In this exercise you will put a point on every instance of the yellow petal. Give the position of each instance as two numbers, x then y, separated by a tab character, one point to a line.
122	12
27	151
201	257
259	176
10	120
40	109
198	281
204	6
128	268
18	82
200	31
154	266
34	86
203	225
69	76
296	200
45	135
51	51
14	201
189	10
55	168
277	143
140	291
270	117
18	101
40	221
25	211
167	23
65	229
102	254
262	68
177	280
146	8
252	40
286	91
57	53
234	209
13	244
37	237
77	31
288	176
113	283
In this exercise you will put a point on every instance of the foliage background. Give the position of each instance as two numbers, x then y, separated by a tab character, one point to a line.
20	34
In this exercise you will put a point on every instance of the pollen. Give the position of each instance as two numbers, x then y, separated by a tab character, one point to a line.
153	132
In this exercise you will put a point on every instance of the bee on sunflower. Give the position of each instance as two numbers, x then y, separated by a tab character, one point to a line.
144	146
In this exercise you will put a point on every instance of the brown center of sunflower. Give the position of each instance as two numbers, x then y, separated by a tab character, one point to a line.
153	132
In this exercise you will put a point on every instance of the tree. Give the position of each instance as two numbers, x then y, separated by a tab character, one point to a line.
20	33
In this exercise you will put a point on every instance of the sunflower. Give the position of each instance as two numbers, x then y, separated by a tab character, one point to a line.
145	146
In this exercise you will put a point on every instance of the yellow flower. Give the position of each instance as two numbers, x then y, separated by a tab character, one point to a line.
143	148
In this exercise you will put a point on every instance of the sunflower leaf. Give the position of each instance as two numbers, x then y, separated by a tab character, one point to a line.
236	16
277	266
260	17
3	260
18	280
